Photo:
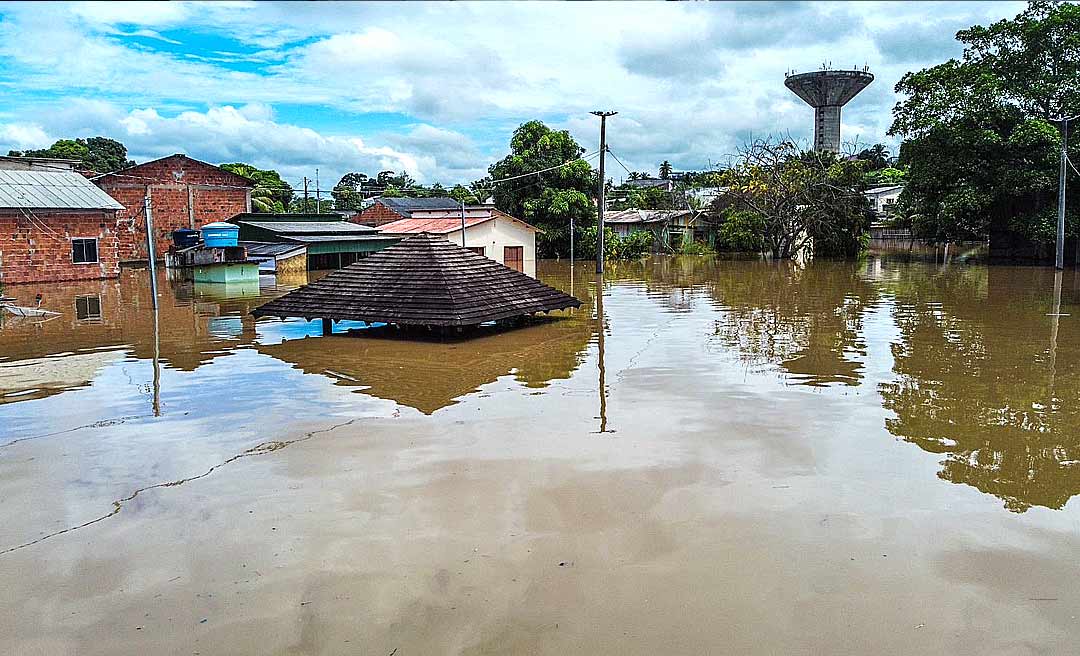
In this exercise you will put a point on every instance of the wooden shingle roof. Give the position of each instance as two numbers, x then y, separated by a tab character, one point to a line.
423	280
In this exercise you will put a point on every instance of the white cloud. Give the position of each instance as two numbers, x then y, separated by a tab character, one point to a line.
250	133
691	81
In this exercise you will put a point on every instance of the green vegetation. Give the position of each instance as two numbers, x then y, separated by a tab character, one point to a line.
981	148
549	200
270	194
796	202
98	154
630	247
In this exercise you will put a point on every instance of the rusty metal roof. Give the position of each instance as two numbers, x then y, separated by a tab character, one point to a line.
423	280
52	191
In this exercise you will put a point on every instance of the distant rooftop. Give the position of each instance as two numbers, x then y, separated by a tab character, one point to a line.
51	190
642	216
404	206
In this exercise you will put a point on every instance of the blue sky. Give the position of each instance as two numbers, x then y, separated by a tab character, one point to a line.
437	89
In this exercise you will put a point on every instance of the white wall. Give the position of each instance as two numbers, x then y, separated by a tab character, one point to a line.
493	236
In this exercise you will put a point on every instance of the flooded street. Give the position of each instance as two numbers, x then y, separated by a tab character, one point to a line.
711	456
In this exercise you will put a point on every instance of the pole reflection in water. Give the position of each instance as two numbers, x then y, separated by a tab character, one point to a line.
1055	319
600	350
157	364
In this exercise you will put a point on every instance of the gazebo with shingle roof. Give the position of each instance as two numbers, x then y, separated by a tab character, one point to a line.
423	280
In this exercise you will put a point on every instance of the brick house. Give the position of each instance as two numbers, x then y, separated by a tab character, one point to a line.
184	193
55	225
386	210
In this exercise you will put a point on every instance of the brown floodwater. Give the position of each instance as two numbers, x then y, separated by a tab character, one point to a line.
711	456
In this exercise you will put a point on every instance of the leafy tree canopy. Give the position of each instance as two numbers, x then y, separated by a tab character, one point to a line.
803	201
98	154
270	194
548	200
981	147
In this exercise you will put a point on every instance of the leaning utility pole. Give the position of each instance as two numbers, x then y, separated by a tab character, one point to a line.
600	195
1059	256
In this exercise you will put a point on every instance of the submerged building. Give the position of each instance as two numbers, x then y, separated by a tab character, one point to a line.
55	225
421	281
827	91
488	232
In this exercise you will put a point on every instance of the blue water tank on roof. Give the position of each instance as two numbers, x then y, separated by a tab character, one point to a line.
220	234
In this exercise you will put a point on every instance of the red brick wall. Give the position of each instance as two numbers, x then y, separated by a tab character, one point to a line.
38	248
377	215
215	194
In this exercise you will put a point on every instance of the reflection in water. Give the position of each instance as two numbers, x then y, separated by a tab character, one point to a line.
987	379
984	360
806	319
429	375
602	386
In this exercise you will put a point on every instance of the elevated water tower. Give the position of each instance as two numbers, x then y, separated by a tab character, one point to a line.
827	91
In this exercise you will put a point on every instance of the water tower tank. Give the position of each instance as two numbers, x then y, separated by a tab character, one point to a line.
827	91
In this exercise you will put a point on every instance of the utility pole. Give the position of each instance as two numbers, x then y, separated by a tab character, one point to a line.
318	194
150	248
463	223
1059	256
600	196
305	194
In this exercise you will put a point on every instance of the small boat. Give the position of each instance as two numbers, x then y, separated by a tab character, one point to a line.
7	304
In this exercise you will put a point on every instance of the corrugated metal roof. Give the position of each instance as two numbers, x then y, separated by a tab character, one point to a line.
310	227
262	249
434	226
410	204
53	190
642	216
318	239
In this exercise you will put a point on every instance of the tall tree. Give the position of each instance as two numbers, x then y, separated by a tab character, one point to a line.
803	201
980	148
549	200
665	170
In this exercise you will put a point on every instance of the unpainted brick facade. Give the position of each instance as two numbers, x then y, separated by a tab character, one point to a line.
184	193
377	215
37	246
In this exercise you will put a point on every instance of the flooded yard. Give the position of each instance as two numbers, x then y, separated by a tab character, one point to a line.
710	456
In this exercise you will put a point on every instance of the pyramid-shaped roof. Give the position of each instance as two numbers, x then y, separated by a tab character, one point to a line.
421	281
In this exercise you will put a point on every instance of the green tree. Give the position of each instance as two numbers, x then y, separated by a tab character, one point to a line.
665	170
980	149
548	200
805	201
270	194
463	195
347	193
877	156
98	154
311	206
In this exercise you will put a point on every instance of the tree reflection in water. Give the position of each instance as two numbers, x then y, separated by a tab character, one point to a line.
807	320
976	382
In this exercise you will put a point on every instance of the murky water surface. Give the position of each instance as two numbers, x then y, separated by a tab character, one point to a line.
711	456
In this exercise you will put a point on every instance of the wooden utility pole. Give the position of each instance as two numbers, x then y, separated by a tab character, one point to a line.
600	195
305	193
318	193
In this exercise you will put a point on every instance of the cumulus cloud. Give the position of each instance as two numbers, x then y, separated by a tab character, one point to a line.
250	133
691	82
